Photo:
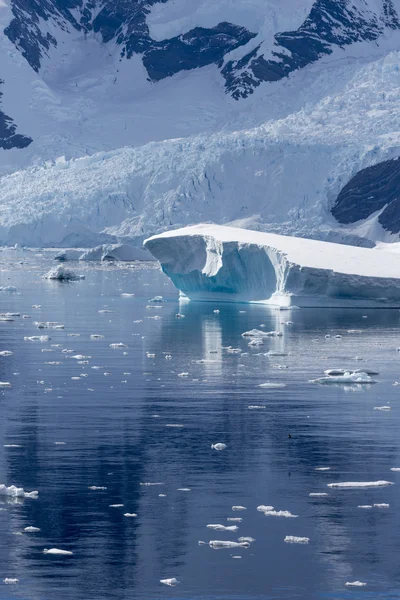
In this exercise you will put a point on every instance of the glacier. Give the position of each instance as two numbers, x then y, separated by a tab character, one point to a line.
218	263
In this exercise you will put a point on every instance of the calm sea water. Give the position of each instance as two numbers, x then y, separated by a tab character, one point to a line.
132	418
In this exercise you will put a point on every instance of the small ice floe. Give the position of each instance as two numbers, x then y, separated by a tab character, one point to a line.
157	299
336	372
382	407
125	295
318	494
179	316
96	487
263	508
220	545
104	311
184	374
60	273
359	377
16	492
381	505
130	515
116	505
5	384
322	468
256	406
256	342
118	345
239	508
258	333
12	446
236	557
218	447
96	336
355	584
360	484
366	506
37	338
271	385
172	582
274	353
8	288
395	469
10	580
293	539
176	425
57	551
150	355
218	527
234	519
216	311
31	529
249	540
36	306
6	353
280	513
184	489
48	325
354	331
151	483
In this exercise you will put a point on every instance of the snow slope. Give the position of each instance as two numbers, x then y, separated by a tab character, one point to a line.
211	262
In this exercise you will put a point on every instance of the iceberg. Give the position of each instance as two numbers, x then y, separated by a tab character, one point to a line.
116	252
220	263
61	274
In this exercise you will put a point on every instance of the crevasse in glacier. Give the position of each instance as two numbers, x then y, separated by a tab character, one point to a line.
213	262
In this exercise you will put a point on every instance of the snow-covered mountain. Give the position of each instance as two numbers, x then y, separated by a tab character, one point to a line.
122	118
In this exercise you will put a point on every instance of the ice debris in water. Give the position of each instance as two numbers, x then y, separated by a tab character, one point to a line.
348	377
96	336
360	484
218	447
256	342
96	487
48	325
125	295
130	515
395	469
10	580
219	545
318	494
5	384
234	519
382	505
16	492
280	513
364	506
336	372
171	582
116	505
60	273
57	551
263	508
292	539
382	408
118	345
275	353
272	385
8	288
37	338
355	584
218	527
257	333
31	529
250	540
239	508
322	468
6	353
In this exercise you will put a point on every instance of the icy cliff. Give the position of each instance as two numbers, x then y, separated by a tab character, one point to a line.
211	262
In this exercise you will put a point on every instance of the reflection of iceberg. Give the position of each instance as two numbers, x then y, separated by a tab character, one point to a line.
213	262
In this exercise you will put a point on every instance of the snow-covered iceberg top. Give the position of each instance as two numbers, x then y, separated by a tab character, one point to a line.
214	262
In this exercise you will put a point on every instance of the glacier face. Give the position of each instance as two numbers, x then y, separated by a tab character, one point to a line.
216	263
174	112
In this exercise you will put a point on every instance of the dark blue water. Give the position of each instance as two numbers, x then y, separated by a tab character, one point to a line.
115	422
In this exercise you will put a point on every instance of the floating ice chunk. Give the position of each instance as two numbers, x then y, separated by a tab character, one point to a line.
12	446
130	515
292	539
96	487
382	408
220	545
125	295
37	338
57	551
8	288
116	505
263	508
317	494
60	273
349	377
16	492
382	505
183	374
179	316
256	342
60	443
258	333
5	384
360	484
249	540
218	527
172	582
10	580
218	447
6	353
275	353
157	299
184	489
80	357
149	483
354	331
234	519
48	325
280	513
177	425
272	385
216	311
68	255
322	468
256	406
239	508
31	529
118	345
104	311
355	584
364	506
395	469
96	336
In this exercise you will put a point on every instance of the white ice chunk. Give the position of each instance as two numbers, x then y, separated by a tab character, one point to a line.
60	273
382	505
218	527
249	540
132	515
6	353
258	333
280	513
16	492
220	545
31	529
317	494
360	484
349	377
271	385
218	447
37	338
5	384
239	508
355	584
292	539
10	581
172	582
395	469
263	508
382	408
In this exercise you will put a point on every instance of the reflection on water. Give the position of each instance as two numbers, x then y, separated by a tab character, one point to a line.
115	422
